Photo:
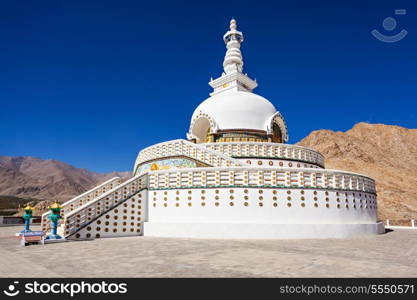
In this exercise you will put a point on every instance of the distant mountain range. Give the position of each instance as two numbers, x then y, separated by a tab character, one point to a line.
27	177
384	152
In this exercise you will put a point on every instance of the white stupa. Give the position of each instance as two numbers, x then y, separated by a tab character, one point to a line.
233	178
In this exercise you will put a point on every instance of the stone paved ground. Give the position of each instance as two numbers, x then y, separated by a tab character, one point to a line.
389	255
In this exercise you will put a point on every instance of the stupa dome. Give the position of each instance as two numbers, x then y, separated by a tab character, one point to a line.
237	110
234	110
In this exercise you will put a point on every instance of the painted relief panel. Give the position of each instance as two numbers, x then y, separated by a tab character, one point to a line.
166	164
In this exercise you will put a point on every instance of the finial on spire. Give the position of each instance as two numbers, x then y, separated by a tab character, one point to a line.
233	60
232	79
233	24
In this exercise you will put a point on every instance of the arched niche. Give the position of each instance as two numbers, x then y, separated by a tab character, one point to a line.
277	128
276	133
201	129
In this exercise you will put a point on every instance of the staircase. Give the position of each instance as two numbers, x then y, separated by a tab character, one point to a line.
120	211
80	200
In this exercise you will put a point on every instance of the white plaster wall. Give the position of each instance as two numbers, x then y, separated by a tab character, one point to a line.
260	231
174	206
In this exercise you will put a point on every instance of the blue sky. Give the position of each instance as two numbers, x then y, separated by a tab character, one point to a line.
93	82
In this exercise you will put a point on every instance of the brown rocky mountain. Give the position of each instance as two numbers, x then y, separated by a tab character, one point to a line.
28	177
384	152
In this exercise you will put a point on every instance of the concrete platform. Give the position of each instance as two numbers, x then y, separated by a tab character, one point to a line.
388	255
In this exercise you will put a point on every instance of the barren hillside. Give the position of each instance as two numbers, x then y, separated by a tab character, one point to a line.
384	152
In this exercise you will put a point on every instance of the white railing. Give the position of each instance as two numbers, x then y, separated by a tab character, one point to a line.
267	150
80	200
273	177
185	148
78	218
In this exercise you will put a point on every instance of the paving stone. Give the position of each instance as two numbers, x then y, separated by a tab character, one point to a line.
389	255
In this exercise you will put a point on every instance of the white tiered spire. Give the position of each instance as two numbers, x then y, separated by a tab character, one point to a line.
233	59
232	78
